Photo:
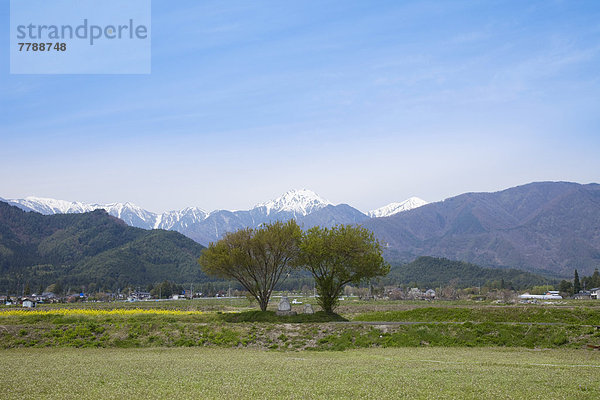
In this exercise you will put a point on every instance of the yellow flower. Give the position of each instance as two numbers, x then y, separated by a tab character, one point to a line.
92	312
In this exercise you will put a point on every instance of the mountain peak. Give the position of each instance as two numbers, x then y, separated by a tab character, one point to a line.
395	208
197	210
302	202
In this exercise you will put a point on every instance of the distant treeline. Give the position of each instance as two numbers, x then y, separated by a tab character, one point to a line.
432	272
424	272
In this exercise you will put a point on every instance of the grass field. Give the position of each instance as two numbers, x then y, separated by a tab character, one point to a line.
226	349
417	373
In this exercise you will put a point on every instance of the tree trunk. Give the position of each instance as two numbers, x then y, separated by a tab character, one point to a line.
327	300
263	303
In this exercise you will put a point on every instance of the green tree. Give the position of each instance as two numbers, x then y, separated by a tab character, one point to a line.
57	289
338	256
257	258
595	280
566	287
576	283
163	290
590	282
541	289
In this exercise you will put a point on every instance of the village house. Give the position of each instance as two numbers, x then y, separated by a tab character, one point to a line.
139	296
583	295
46	297
28	303
75	297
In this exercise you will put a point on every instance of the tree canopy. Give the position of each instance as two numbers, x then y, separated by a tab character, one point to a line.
338	256
591	282
257	258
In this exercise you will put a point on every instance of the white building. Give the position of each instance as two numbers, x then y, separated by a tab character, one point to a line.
550	295
28	303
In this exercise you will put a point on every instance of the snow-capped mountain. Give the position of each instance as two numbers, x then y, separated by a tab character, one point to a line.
395	208
128	212
305	206
299	202
48	206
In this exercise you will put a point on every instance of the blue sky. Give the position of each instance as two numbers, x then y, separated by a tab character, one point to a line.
364	102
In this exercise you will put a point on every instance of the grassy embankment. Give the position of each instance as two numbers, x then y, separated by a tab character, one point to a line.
505	314
186	324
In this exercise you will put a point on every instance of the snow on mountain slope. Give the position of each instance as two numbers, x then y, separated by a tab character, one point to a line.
48	206
395	208
180	219
299	202
128	212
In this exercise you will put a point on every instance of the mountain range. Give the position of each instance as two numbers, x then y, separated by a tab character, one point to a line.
542	227
304	205
551	227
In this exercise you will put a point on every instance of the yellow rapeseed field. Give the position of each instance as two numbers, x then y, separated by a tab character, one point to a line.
92	312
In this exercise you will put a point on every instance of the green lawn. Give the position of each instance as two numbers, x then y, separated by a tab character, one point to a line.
182	373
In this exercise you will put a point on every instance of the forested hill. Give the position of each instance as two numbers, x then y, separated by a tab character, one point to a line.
431	272
91	248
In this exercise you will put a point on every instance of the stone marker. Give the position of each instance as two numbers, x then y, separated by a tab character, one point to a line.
308	309
284	304
284	307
